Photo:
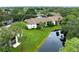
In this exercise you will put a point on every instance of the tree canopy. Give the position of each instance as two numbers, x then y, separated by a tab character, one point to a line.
71	45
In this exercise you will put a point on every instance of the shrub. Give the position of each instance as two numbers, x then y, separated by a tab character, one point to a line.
40	25
49	24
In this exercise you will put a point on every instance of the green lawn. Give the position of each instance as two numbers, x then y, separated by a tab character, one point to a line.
32	39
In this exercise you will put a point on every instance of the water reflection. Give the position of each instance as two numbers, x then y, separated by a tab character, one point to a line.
52	44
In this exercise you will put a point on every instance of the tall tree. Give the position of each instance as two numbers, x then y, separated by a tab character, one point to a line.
5	36
72	27
71	45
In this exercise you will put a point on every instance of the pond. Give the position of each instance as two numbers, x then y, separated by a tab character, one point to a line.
52	43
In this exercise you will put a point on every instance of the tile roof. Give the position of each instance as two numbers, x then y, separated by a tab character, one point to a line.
45	19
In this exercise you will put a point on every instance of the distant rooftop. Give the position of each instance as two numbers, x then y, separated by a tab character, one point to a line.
55	17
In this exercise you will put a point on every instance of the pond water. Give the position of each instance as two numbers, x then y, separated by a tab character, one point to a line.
52	43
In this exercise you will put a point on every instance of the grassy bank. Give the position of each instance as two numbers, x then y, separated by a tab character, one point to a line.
44	39
33	39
